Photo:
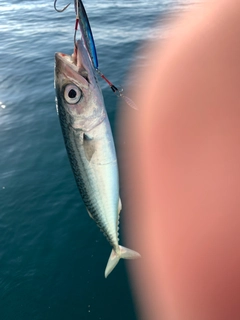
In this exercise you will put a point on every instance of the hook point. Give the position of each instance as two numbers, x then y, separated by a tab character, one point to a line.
58	10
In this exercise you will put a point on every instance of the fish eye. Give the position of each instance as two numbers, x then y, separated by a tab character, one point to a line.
72	94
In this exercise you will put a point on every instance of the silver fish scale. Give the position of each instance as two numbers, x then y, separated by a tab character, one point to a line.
96	181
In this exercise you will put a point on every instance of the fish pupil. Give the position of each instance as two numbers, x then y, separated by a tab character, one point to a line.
72	94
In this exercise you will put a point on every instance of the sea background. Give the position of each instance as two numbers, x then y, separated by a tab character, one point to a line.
52	256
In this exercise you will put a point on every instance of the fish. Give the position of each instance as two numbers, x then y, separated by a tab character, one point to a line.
89	143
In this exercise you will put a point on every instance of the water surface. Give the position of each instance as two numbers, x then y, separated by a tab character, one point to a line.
52	256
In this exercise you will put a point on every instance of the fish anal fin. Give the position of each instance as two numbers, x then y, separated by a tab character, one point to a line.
119	206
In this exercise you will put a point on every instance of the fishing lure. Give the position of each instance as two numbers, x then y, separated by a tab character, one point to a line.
86	31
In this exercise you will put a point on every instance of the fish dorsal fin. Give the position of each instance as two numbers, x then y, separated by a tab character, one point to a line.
88	146
89	214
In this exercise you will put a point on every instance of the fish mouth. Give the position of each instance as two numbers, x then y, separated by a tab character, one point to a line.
79	62
67	65
66	59
64	56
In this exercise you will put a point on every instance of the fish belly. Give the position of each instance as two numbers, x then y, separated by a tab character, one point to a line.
94	164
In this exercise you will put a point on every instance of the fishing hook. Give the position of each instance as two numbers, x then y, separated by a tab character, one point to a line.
55	7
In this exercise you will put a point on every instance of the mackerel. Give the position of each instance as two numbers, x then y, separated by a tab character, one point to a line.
89	144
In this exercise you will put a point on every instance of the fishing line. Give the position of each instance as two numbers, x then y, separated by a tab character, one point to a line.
118	92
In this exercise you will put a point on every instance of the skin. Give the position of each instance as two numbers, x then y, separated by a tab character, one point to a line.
182	178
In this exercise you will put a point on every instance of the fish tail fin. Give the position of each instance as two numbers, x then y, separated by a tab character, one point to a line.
123	253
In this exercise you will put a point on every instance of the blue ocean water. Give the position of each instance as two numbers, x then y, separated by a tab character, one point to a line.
52	256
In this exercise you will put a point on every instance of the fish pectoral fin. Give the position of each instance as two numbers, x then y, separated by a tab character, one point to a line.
89	214
123	253
87	136
88	146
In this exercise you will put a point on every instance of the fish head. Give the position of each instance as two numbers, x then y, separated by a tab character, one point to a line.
78	95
